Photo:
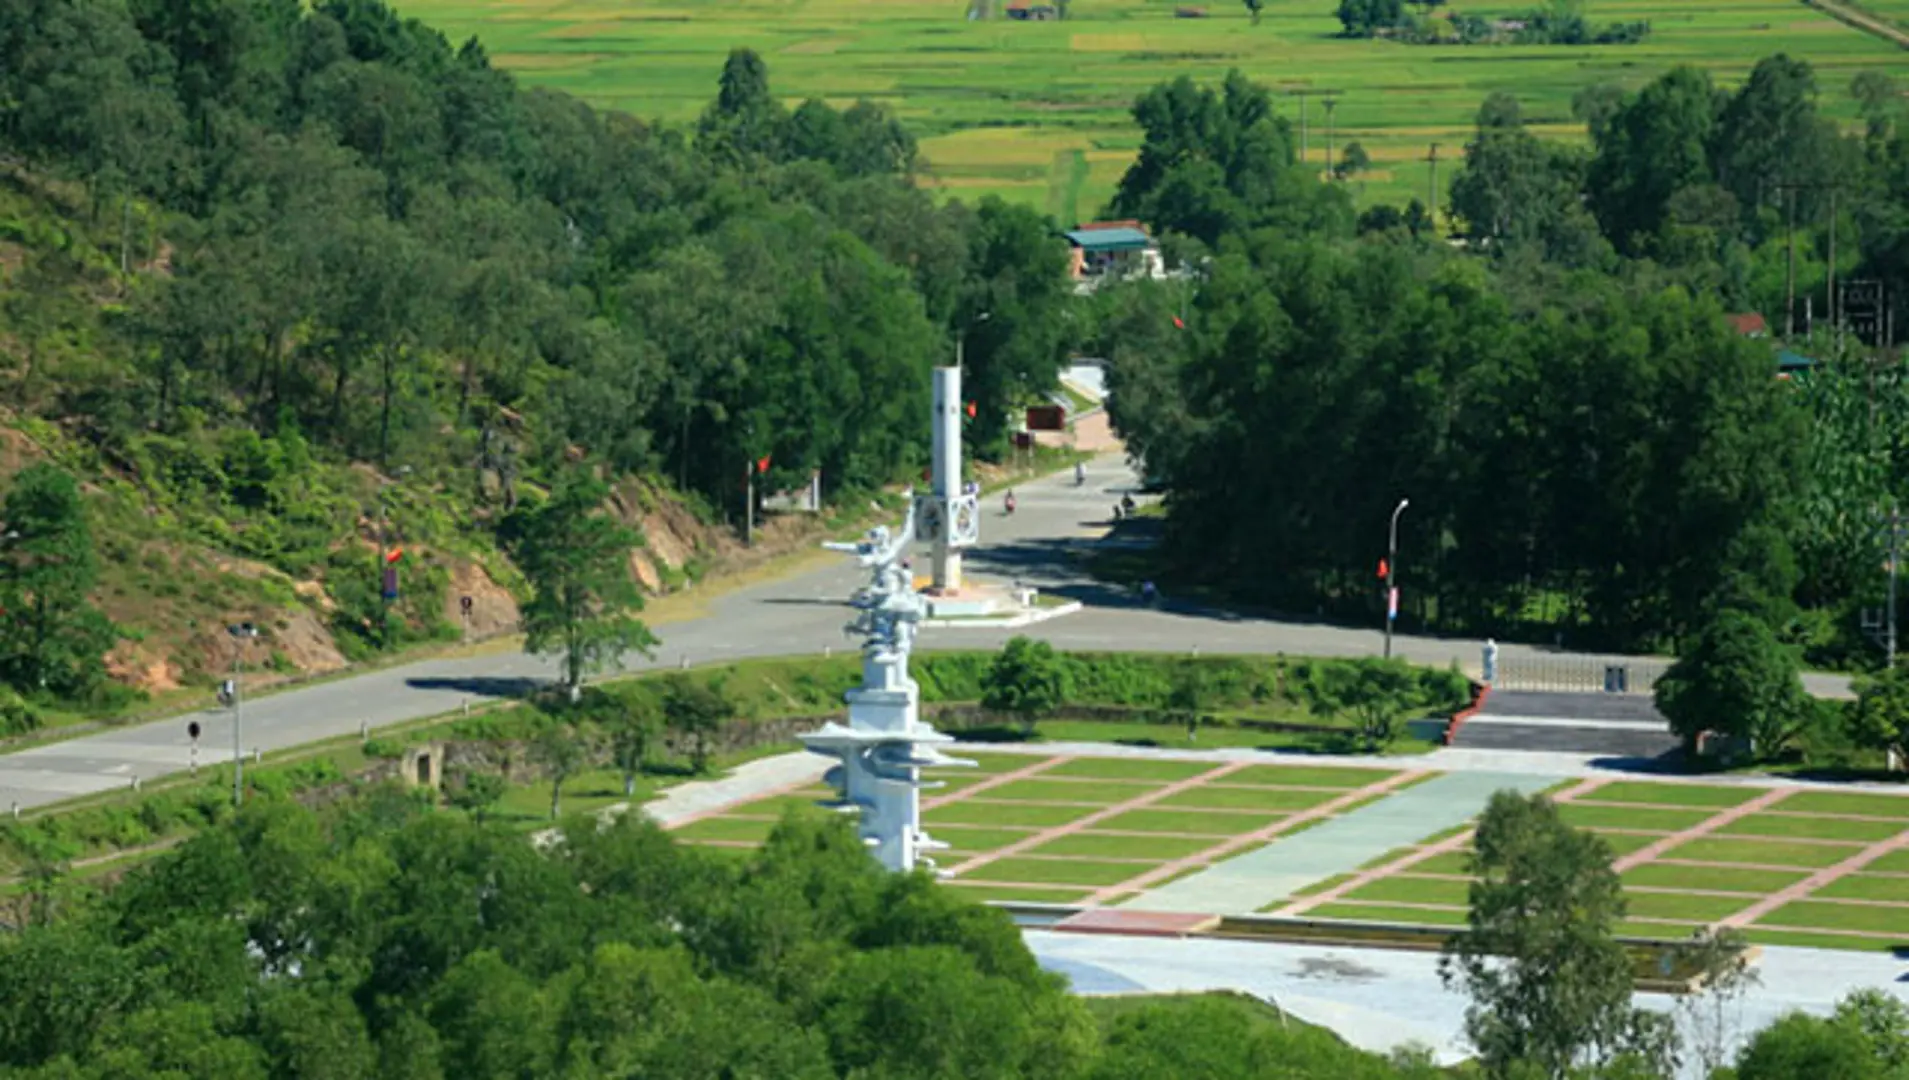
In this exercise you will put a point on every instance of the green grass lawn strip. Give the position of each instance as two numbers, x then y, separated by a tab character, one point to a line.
1679	906
1101	793
1848	802
1187	821
1389	857
1246	798
1653	931
1100	845
1057	872
1896	862
1451	862
1585	815
1624	844
1764	852
1812	828
977	841
1388	914
1713	878
1695	795
1028	896
1867	887
991	764
1412	891
1308	776
777	805
1130	769
1314	889
1804	939
718	828
980	813
1829	915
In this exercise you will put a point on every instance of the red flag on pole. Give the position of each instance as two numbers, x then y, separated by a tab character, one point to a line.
1382	568
970	410
762	464
394	555
1179	323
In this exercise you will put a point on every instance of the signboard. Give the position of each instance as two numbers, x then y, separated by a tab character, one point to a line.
390	583
192	730
1046	418
1392	604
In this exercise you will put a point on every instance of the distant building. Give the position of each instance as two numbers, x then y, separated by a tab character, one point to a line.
1104	250
1034	13
1749	324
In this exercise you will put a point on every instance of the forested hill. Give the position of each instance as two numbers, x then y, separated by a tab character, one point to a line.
269	266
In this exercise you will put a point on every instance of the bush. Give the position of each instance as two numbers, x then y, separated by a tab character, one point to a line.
383	749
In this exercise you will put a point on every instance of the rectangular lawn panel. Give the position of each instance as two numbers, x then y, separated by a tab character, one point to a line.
1027	896
1413	891
977	841
1308	776
1848	802
1866	887
1713	878
1023	870
1812	828
1761	852
717	828
980	813
1130	769
1804	939
1388	914
1587	816
1625	843
1678	906
1099	792
1208	796
993	764
1100	845
1829	915
1451	862
1654	931
1187	821
1634	791
1896	862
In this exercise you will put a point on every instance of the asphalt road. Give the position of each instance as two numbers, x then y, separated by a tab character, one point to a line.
804	613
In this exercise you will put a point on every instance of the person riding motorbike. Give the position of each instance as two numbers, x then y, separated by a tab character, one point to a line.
1010	502
1080	474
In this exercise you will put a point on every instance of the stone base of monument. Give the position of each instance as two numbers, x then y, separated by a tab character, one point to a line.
983	605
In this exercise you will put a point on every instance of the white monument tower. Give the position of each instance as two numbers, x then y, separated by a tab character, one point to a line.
947	517
885	745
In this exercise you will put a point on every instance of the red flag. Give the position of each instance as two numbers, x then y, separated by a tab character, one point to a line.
762	464
970	410
394	555
1382	567
1179	323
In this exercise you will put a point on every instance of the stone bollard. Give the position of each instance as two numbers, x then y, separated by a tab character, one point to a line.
16	811
828	651
1196	652
467	706
135	783
258	756
683	662
364	729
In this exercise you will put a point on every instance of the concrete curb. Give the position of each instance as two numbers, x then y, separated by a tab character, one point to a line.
1013	623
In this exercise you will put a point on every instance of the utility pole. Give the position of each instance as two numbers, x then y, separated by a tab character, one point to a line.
1834	325
749	504
1391	575
241	633
1895	546
1331	104
1789	235
1302	126
1431	187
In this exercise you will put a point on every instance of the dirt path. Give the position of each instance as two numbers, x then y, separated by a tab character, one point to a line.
1862	20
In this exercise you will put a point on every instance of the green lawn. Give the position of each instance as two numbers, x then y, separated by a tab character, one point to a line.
1246	798
1627	817
1621	844
976	841
1102	793
718	828
1021	870
1030	896
1100	845
1414	891
1848	802
1896	862
986	764
1675	906
586	792
1314	889
1806	940
1764	852
1037	112
1827	915
1130	769
1384	913
1866	887
1668	794
982	813
1812	828
1308	776
1210	823
1713	878
1451	862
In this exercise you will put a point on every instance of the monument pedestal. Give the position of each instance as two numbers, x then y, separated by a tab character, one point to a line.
979	601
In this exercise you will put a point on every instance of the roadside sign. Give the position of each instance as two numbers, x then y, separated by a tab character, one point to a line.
390	583
192	731
1392	605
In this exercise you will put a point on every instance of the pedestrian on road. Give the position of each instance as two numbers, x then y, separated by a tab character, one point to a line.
1080	474
1010	502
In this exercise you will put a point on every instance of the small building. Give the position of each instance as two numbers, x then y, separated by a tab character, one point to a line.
1033	13
1790	364
1749	324
1113	249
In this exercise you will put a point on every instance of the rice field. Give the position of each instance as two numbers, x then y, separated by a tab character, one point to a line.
1037	112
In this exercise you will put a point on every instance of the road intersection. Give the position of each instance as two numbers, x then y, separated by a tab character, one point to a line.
1056	520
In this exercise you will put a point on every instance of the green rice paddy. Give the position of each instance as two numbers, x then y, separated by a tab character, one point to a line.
1038	112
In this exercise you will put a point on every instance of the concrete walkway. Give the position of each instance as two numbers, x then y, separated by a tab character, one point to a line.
1246	883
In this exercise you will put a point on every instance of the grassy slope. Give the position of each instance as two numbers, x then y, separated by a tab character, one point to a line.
1036	112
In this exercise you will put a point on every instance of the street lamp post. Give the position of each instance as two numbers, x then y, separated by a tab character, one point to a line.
241	633
1391	572
961	341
